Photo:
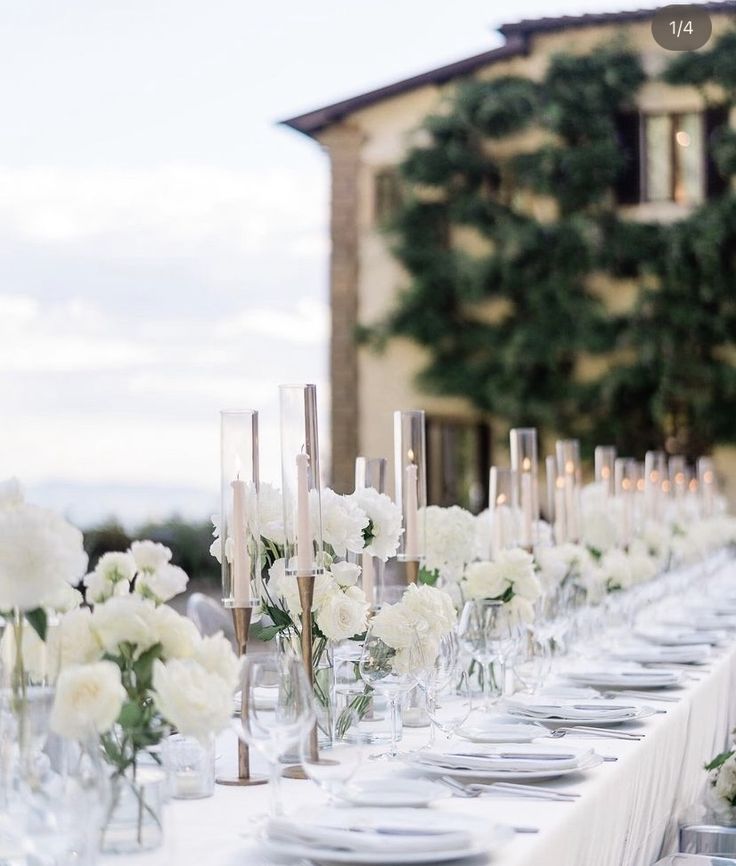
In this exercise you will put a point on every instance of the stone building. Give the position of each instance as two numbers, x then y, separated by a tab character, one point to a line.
366	137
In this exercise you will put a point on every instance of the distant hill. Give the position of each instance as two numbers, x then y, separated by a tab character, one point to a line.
88	505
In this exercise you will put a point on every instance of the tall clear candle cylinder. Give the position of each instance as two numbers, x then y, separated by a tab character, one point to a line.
569	469
550	467
678	476
655	473
625	473
300	478
503	507
239	531
524	463
707	486
605	458
370	472
410	482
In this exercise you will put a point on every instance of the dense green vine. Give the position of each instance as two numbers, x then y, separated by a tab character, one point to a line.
665	374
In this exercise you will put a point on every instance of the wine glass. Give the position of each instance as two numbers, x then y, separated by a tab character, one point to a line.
443	672
335	773
450	706
490	634
379	669
281	717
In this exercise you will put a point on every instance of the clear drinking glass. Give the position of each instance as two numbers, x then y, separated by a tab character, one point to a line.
335	773
378	670
282	715
443	673
490	635
450	705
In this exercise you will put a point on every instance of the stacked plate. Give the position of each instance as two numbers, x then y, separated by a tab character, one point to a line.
485	728
508	762
625	676
703	621
691	654
564	712
681	636
381	836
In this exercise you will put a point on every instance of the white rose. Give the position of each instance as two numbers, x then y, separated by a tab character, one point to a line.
643	567
161	585
150	555
553	566
616	569
385	521
343	522
286	587
35	656
38	552
72	641
432	604
63	598
419	655
177	635
515	564
271	513
483	527
599	527
116	566
197	702
124	619
215	654
725	780
88	700
342	616
393	625
99	589
450	540
345	573
485	580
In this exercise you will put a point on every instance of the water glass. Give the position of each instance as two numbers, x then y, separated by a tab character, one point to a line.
449	705
280	712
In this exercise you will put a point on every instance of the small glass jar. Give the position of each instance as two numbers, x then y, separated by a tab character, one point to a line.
190	767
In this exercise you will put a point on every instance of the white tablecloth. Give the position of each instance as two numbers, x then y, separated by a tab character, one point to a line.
626	816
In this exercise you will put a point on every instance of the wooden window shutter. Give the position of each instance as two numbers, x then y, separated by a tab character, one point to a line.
716	118
628	134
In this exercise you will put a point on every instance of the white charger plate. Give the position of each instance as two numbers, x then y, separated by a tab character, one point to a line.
643	679
508	775
394	792
487	842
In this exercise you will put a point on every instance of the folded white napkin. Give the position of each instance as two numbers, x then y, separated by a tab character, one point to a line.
508	757
351	831
644	653
578	710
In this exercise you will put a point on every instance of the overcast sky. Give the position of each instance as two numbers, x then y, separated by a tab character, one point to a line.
163	242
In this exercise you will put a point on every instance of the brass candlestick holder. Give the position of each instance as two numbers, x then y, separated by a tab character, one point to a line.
411	571
306	598
241	621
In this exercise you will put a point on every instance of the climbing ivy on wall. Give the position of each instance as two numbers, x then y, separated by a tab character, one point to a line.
507	320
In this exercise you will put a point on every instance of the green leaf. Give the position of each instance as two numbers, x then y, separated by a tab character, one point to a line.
719	760
143	666
265	632
131	716
429	578
38	621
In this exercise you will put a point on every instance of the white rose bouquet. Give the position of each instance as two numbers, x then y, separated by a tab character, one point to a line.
133	668
510	578
450	543
721	789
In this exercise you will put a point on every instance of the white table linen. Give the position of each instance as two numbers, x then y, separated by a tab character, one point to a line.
626	816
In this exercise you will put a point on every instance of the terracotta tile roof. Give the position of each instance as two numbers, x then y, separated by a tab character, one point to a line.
517	42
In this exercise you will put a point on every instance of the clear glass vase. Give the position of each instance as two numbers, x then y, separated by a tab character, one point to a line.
135	817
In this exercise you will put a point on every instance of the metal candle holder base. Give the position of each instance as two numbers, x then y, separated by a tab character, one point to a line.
411	571
241	621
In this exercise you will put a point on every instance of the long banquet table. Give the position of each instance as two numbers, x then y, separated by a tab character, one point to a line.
626	814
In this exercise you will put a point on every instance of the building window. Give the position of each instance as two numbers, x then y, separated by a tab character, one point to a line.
458	462
387	194
668	157
674	158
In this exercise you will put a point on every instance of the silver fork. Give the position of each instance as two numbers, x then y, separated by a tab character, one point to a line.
604	733
523	791
648	696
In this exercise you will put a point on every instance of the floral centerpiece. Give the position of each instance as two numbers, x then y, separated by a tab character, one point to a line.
510	578
721	786
132	670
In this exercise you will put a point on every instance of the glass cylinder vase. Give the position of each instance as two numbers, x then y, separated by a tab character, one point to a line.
135	817
569	470
503	507
410	468
605	458
370	472
239	530
524	463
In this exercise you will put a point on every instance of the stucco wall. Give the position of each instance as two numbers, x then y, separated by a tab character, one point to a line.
386	381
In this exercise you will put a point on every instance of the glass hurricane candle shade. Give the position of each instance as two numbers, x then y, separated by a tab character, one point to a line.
300	479
410	467
625	479
707	485
371	472
605	458
239	531
677	468
503	506
570	471
524	463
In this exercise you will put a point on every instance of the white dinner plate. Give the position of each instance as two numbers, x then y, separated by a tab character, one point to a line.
561	720
681	637
394	792
482	842
694	654
502	732
588	763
